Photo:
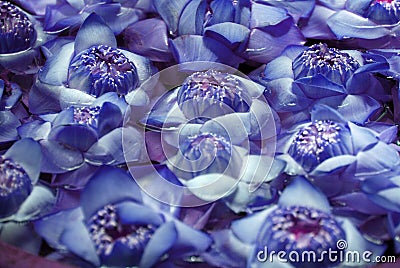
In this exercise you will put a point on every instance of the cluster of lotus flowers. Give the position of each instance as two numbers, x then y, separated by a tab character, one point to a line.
180	133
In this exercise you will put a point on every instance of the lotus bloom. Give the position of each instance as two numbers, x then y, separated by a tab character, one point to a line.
78	72
117	14
217	99
21	35
225	31
358	24
342	79
302	221
117	229
82	136
334	152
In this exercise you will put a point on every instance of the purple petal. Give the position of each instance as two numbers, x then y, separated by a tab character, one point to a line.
149	38
264	47
230	34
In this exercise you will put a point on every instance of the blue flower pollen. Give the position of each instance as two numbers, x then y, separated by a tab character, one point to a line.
17	32
210	93
105	69
15	186
317	142
320	59
106	230
86	115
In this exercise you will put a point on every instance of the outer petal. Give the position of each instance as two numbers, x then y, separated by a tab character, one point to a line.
230	34
8	125
94	31
302	192
27	153
345	24
76	238
114	184
189	48
149	38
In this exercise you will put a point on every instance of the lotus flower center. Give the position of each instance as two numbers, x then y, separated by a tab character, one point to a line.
17	31
207	143
317	142
106	230
384	11
330	62
297	228
86	115
107	69
13	178
314	138
212	93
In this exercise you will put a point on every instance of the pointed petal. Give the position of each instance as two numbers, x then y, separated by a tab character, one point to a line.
230	34
301	191
94	31
163	239
149	38
189	48
38	203
114	184
29	161
345	24
8	125
76	238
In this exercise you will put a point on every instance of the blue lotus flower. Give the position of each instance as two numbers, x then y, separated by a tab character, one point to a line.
117	14
80	137
302	221
225	31
216	99
344	80
334	153
78	72
358	24
22	196
21	35
117	229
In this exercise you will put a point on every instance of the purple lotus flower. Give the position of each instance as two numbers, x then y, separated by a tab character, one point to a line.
225	31
302	77
116	14
301	221
21	35
334	152
78	72
117	229
358	24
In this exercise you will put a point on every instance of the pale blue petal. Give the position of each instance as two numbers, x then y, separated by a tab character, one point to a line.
93	32
27	153
76	238
300	192
345	24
